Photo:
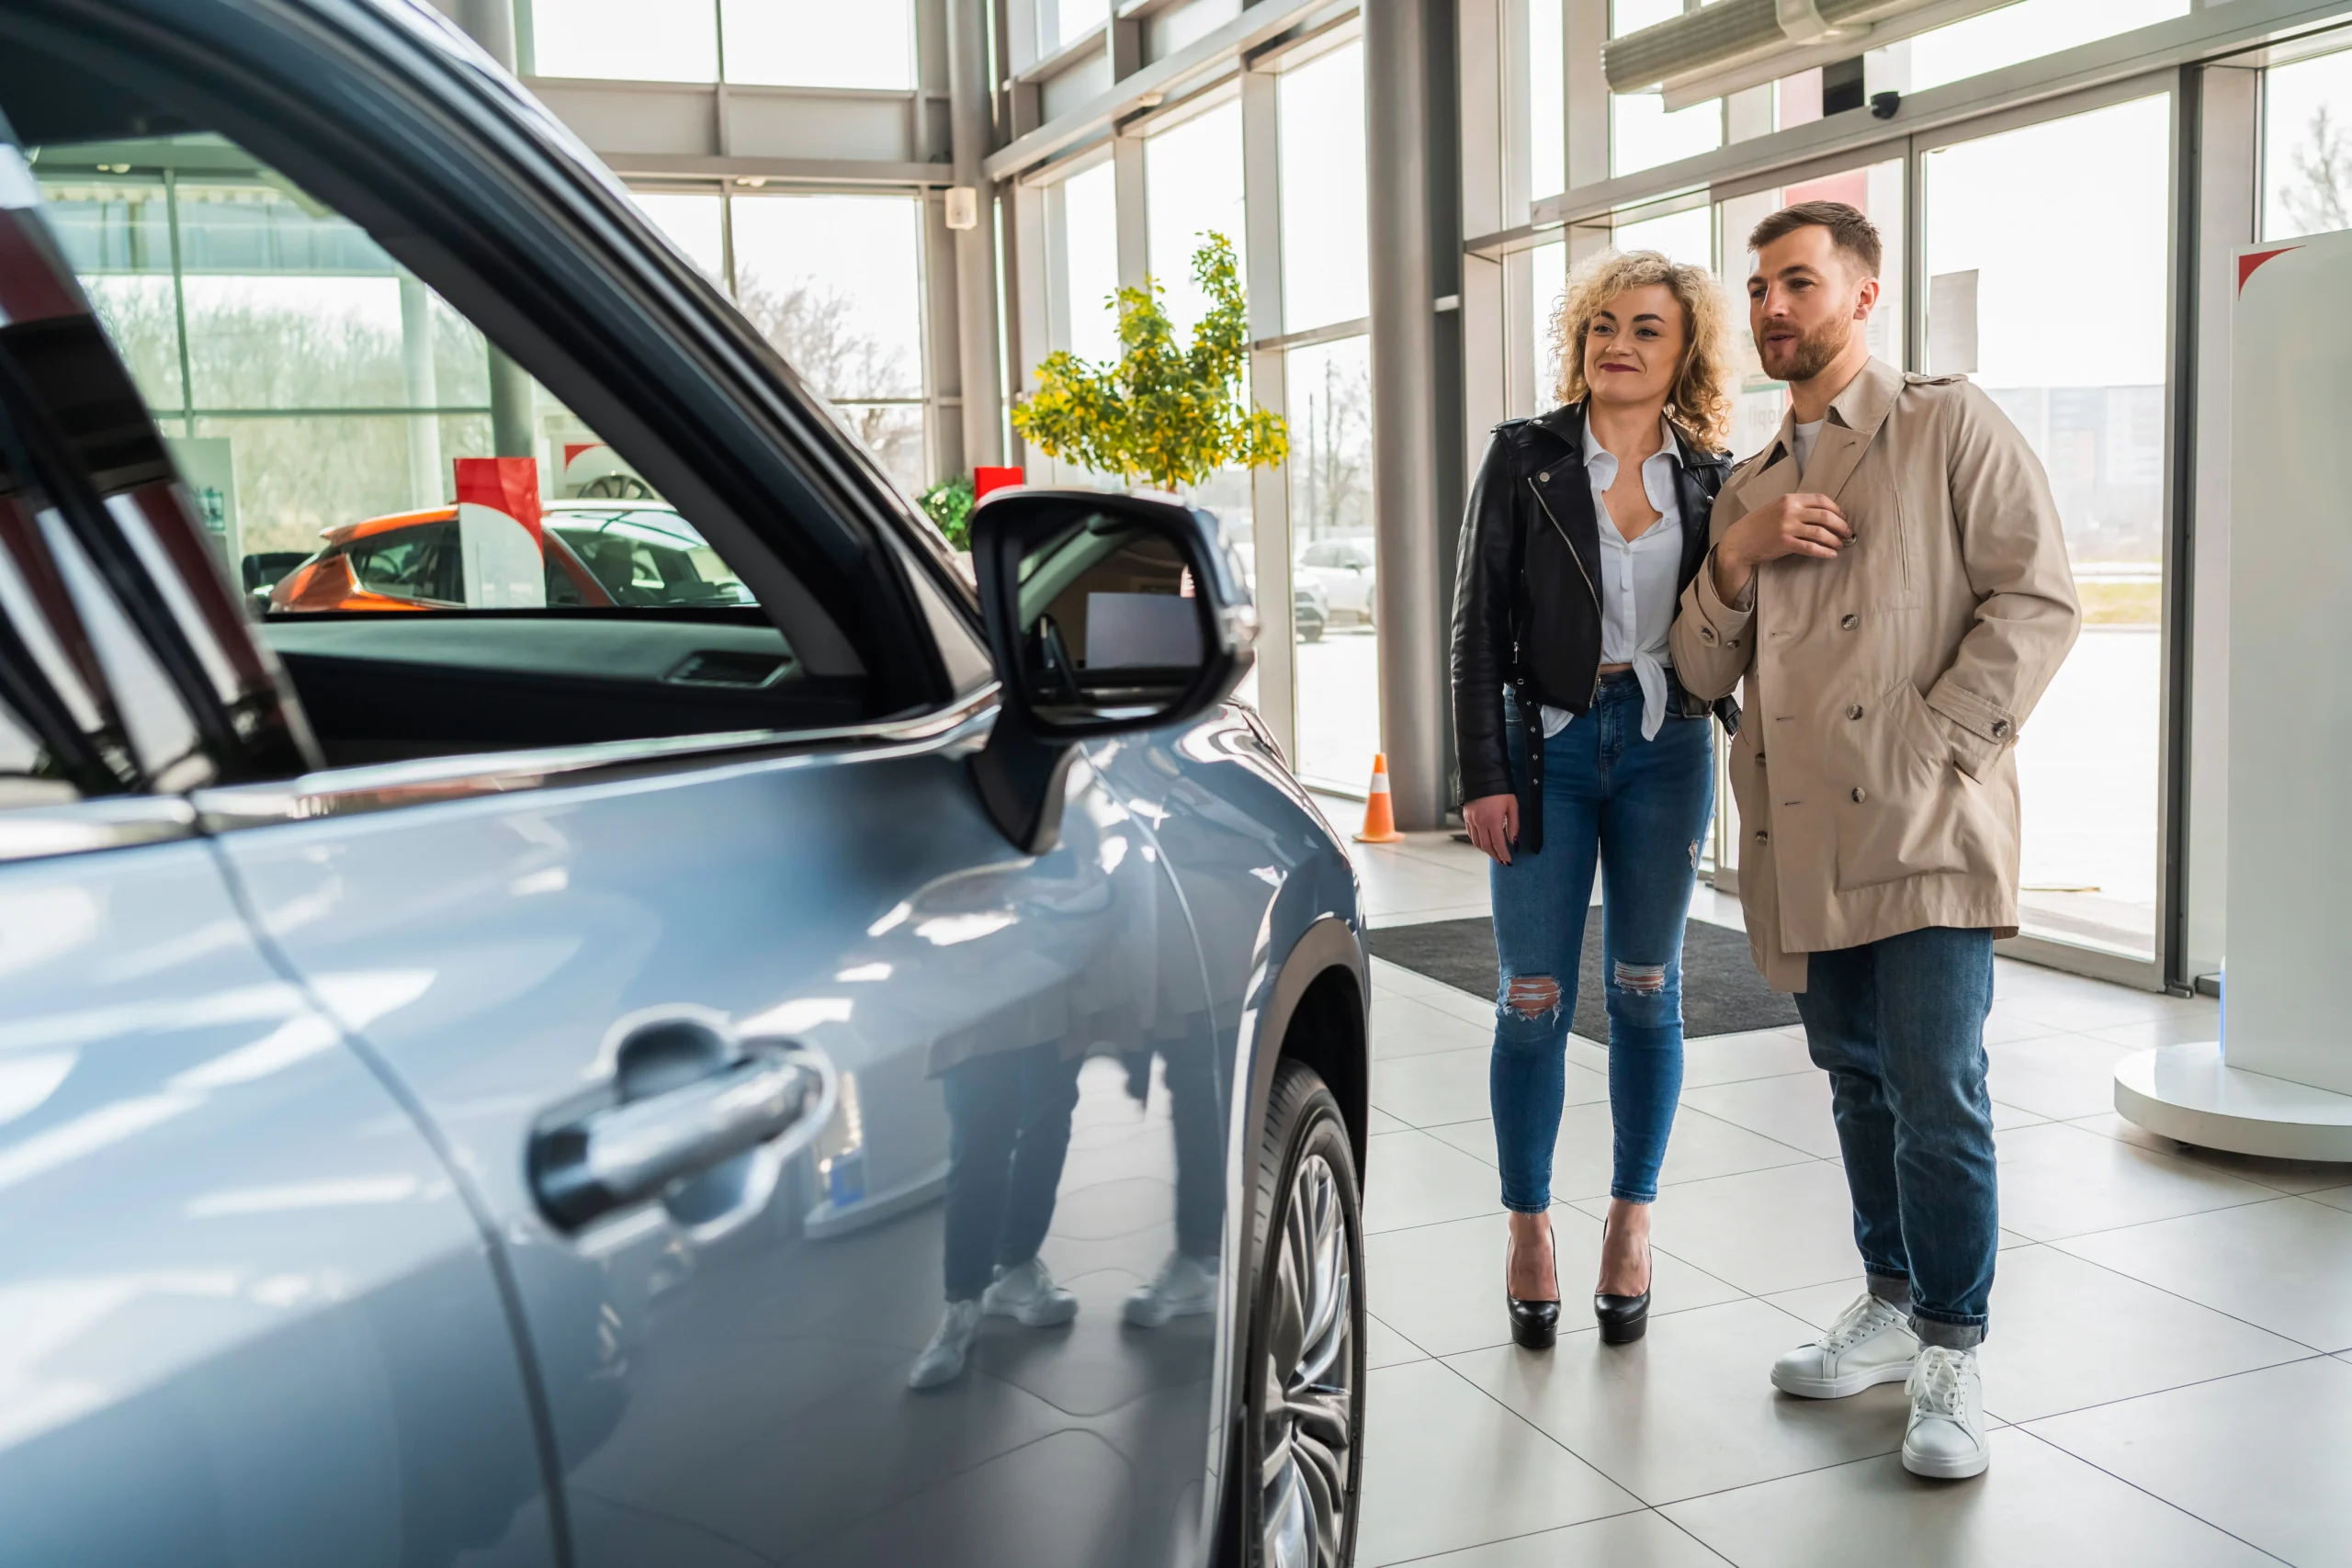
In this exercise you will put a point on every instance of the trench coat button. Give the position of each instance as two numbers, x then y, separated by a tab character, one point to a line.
2000	728
1848	623
1759	758
1707	634
1854	711
1762	836
1861	795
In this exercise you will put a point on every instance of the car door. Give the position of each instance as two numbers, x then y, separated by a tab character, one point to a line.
807	925
247	1313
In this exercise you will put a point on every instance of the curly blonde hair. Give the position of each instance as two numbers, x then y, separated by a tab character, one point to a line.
1698	400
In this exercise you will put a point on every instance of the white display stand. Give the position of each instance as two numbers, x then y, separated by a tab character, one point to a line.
2280	1080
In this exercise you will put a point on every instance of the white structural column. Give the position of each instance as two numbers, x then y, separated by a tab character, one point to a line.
2278	1082
1413	649
1270	544
981	371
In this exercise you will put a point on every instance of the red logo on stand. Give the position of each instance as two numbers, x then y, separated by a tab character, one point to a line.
2251	259
499	533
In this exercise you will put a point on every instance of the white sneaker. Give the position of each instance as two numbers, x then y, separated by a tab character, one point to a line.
943	1359
1946	1438
1026	1294
1186	1288
1870	1343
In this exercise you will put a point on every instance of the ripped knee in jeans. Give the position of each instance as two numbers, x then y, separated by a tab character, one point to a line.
1646	980
1534	997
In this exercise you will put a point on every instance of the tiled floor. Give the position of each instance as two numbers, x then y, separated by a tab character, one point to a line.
2171	1360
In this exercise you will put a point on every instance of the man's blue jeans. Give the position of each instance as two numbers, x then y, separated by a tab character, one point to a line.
1640	807
1899	1026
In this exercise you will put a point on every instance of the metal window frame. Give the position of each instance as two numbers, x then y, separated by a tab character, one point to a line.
2205	35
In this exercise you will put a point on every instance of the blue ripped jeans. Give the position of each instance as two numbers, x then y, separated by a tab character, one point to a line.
1640	809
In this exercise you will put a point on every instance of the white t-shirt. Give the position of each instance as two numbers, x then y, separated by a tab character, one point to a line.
1806	436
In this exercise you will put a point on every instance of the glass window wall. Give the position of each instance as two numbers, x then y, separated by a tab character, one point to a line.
1319	106
2024	31
2082	372
2307	147
799	43
835	283
1064	22
1192	189
1334	564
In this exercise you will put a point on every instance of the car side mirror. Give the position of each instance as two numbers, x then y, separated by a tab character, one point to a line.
1106	613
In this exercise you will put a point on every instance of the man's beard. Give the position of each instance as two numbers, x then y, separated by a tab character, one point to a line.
1810	354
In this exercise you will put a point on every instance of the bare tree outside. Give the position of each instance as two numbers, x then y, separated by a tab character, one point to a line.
1332	463
813	324
2319	199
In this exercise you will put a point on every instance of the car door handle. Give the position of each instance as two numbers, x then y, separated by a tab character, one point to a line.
773	1098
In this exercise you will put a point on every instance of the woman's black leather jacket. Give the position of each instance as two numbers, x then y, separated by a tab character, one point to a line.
1526	604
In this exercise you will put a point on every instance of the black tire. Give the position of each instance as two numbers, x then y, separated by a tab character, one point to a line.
1309	1206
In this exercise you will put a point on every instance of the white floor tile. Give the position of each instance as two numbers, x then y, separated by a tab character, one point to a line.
2334	1197
1644	1540
1384	1346
2102	1006
1445	1467
1414	1179
1792	1109
2058	1181
1763	1230
2036	1507
2263	1456
1583	1157
1412	1026
1377	1120
1441	1286
2177	1029
1689	1408
1439	1086
2058	1075
2001	1027
2285	1265
1760	1053
2278	1175
2066	1334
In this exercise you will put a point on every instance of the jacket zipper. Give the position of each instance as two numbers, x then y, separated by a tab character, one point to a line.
1589	587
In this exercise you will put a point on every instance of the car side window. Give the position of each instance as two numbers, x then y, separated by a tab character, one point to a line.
412	520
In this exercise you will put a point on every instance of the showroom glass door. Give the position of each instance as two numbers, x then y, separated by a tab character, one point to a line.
2046	265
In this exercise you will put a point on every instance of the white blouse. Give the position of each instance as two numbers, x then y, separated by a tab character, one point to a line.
1637	578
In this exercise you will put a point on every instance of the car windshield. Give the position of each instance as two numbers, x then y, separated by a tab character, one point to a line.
648	558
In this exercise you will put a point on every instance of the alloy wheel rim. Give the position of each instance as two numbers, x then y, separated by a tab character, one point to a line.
1309	1372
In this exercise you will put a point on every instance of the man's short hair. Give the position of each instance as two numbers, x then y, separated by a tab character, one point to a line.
1849	231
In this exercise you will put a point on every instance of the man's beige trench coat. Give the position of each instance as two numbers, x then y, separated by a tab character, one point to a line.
1875	769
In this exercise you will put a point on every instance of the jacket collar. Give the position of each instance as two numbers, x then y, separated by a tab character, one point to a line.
1846	430
1568	423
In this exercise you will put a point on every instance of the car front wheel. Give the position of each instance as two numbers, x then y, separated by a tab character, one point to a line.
1304	1422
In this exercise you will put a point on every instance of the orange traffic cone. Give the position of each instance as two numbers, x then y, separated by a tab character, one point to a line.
1379	817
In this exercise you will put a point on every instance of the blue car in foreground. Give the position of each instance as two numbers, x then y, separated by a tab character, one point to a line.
871	1076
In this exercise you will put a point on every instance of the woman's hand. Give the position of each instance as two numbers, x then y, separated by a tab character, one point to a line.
1492	821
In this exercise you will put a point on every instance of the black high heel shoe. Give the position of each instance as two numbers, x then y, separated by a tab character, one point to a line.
1534	1325
1623	1319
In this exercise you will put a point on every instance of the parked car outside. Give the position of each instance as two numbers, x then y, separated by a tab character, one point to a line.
1310	612
846	1069
1342	568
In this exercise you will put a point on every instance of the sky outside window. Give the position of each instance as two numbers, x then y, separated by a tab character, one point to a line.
1320	107
1193	184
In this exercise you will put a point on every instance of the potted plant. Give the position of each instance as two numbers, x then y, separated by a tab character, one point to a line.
1159	415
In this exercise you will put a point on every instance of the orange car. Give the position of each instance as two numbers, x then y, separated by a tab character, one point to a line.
599	555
